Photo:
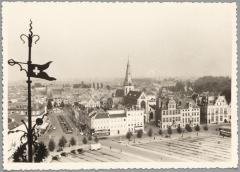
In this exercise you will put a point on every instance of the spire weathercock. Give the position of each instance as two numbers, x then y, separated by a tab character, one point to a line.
36	71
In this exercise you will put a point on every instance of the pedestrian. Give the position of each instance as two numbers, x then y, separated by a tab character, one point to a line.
110	147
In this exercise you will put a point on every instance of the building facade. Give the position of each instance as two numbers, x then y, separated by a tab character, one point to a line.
190	113
172	113
216	110
116	122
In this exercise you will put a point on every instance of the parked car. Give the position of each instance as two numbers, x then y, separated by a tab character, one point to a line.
56	158
63	154
80	150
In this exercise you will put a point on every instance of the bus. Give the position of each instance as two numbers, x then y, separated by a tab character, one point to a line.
100	133
225	131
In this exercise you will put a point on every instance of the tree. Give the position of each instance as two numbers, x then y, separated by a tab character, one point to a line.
227	94
188	128
194	96
41	152
179	129
160	132
62	104
108	87
72	141
62	142
150	132
98	86
205	127
212	84
139	133
84	140
51	145
96	139
89	137
49	105
169	130
101	85
179	86
20	155
197	128
94	85
129	135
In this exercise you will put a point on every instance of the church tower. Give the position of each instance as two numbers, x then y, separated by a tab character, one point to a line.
128	85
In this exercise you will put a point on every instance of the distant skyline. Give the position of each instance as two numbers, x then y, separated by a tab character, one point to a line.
93	40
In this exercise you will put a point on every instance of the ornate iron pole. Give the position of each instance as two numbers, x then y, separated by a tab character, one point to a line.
37	71
30	138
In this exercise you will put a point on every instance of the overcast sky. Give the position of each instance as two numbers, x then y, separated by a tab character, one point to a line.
95	39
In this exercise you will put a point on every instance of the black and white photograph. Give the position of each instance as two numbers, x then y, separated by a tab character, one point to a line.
100	85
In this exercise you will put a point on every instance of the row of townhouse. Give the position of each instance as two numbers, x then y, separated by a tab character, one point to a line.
173	113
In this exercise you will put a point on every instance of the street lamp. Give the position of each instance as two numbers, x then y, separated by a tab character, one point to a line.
36	71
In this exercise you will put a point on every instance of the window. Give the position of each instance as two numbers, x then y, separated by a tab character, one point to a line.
221	118
225	110
212	118
163	112
163	119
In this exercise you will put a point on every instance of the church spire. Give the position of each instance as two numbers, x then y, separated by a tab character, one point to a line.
128	77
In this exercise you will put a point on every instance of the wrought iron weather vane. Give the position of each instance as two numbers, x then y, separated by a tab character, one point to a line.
36	71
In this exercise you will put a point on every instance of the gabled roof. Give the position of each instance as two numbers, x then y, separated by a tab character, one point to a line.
120	115
134	94
132	97
212	100
117	113
99	114
186	102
